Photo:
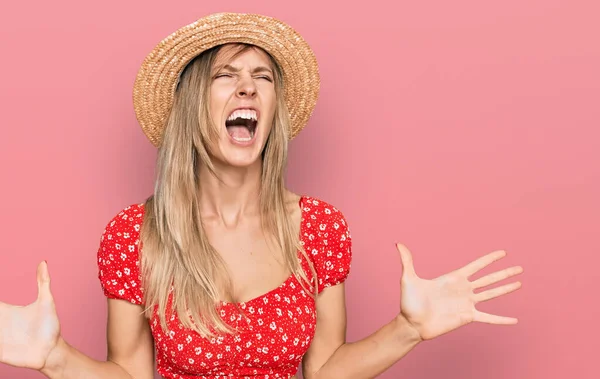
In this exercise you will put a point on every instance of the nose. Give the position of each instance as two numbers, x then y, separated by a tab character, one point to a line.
246	88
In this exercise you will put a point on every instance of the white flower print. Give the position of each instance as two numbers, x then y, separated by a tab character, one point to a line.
267	340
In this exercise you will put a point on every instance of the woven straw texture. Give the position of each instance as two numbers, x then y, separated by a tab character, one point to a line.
158	76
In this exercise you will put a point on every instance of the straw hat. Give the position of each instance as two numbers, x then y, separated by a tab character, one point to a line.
158	76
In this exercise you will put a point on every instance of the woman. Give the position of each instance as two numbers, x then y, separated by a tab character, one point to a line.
223	272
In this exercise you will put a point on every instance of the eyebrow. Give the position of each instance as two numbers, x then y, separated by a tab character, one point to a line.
256	70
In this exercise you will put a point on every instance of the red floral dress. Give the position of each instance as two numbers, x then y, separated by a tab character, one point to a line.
279	325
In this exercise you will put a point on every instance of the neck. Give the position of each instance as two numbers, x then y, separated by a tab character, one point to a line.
233	193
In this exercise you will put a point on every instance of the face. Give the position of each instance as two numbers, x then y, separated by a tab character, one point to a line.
242	106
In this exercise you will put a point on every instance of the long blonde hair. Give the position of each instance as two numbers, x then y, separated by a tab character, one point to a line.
177	257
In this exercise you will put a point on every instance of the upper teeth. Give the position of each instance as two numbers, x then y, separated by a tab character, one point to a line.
248	114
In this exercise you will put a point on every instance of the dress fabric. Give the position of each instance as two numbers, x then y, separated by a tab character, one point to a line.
278	326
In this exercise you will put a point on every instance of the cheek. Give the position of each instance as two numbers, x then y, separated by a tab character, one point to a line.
218	99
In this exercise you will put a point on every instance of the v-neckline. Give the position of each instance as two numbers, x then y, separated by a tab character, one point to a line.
289	279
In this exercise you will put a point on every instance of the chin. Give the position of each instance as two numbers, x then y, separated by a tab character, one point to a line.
235	156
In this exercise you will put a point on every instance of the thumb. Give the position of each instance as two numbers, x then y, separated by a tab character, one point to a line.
43	280
407	262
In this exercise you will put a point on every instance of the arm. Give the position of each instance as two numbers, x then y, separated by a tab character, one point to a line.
331	357
130	349
434	307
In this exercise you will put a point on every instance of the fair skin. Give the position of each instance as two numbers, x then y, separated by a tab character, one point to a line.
30	336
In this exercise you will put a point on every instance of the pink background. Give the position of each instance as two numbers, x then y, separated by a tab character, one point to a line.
455	127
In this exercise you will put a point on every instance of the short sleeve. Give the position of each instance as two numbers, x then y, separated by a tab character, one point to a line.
118	256
333	256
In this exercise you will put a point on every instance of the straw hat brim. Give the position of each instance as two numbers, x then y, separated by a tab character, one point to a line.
157	78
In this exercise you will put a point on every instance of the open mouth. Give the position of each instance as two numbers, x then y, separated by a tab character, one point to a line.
241	124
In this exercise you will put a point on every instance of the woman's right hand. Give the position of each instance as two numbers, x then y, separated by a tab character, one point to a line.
28	334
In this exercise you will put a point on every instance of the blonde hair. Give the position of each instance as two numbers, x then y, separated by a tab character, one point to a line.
177	258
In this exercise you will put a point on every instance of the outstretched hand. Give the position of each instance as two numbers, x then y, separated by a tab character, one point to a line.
28	334
438	306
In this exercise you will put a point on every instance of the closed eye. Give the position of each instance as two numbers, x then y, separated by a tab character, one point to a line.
265	77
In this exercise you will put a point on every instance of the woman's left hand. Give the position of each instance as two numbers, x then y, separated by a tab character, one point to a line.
438	306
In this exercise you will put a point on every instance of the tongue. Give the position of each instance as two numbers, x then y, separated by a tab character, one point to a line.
238	131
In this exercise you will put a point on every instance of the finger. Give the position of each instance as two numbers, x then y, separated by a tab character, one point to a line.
407	261
43	280
497	277
496	292
483	262
494	319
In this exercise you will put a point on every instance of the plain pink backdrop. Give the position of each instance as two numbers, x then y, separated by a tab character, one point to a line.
455	127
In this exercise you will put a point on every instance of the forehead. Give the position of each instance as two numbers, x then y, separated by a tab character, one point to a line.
242	55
